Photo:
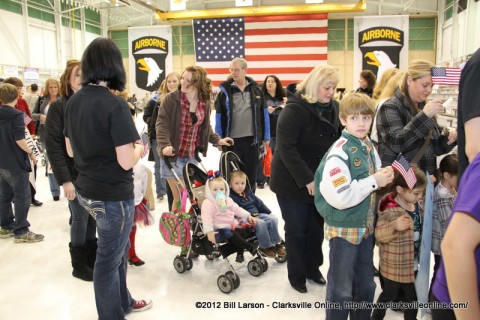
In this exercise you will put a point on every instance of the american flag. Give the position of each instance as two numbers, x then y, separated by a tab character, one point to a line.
446	76
403	167
146	146
26	119
288	46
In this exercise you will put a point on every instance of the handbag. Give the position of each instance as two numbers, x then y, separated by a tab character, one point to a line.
267	161
175	226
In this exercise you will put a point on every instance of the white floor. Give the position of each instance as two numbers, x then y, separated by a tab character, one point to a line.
36	281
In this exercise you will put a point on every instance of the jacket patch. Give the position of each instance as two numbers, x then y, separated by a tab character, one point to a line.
357	162
353	149
339	181
340	143
334	171
343	188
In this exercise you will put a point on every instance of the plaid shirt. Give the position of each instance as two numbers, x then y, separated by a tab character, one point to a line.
442	209
356	235
189	131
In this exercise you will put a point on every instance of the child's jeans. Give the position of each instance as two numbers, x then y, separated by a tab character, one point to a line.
350	277
266	230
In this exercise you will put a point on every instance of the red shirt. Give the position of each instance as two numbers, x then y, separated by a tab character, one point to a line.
22	105
189	130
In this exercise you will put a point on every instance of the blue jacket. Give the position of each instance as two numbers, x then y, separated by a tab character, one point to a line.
252	203
224	111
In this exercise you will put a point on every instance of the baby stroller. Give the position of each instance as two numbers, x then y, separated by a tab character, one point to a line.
195	180
229	162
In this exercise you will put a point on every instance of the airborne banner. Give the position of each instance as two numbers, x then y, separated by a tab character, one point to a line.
381	42
150	58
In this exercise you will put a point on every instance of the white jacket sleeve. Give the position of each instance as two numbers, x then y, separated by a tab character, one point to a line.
338	188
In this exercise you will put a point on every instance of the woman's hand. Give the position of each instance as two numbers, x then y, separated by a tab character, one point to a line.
168	151
271	109
43	118
226	142
69	190
433	107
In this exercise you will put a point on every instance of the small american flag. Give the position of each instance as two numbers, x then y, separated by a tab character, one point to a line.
26	119
446	76
403	167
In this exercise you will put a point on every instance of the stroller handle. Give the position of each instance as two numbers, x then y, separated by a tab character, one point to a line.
197	154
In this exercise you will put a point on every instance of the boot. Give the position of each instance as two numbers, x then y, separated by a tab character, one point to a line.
91	252
79	263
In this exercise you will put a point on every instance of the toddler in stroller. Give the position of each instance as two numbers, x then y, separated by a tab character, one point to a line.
219	214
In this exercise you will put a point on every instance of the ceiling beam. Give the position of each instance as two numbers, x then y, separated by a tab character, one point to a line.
263	11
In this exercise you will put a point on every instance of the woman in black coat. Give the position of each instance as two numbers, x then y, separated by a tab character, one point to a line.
83	241
306	129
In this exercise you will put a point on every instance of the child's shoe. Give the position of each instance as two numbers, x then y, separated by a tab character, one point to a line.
280	250
136	261
240	258
268	252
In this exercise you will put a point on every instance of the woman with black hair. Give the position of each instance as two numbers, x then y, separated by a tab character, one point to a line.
101	134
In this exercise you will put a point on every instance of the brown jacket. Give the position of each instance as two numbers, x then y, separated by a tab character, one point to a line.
396	247
168	125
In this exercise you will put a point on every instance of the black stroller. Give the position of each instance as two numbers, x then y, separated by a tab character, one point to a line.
195	179
229	162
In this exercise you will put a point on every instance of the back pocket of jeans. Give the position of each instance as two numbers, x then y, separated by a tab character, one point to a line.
94	207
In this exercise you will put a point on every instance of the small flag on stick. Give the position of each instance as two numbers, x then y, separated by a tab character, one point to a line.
446	76
26	119
403	167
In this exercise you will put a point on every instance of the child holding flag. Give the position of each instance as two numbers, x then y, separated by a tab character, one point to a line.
398	235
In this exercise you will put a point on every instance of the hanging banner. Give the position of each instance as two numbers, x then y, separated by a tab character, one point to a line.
31	74
150	58
381	42
9	71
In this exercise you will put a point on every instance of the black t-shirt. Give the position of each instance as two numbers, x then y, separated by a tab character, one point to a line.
12	129
468	105
97	121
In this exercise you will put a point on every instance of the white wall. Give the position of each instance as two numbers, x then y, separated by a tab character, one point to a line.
42	43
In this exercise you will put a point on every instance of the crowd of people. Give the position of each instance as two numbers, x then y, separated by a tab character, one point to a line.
335	173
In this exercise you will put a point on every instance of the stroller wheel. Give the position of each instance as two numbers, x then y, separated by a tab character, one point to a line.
263	263
179	264
255	268
225	284
188	263
281	259
235	278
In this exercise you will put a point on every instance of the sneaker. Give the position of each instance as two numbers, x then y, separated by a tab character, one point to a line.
268	252
280	250
28	237
142	305
5	234
160	197
254	248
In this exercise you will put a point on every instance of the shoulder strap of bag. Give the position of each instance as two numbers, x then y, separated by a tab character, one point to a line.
421	151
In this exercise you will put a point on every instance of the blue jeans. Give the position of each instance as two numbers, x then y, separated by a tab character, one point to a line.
54	187
83	226
114	223
160	183
266	230
177	166
14	187
350	277
303	240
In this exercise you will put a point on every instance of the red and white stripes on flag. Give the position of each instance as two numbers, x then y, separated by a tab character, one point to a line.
446	76
403	167
287	46
26	119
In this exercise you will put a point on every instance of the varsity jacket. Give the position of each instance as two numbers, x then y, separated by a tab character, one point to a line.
224	110
343	183
396	247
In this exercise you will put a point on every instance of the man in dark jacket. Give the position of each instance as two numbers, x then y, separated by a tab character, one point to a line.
243	115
